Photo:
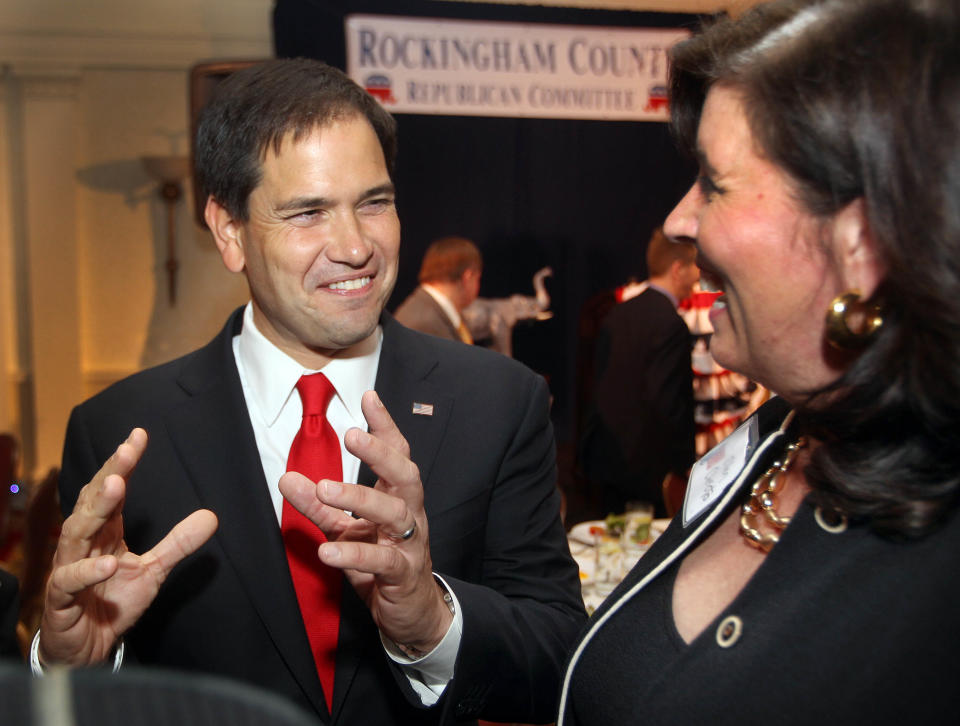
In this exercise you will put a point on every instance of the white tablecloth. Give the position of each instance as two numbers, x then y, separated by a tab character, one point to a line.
603	563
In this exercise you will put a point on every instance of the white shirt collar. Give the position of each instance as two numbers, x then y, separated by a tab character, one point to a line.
444	302
273	375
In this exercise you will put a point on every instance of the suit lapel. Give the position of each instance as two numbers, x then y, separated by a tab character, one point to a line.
403	380
216	442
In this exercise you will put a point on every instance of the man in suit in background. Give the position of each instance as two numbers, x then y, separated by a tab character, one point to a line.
449	593
449	282
641	424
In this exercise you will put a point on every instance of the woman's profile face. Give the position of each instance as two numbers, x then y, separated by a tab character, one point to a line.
762	250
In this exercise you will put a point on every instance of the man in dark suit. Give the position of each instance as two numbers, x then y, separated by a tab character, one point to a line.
459	598
641	425
449	281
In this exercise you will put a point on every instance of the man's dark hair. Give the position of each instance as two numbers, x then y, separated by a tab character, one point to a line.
257	107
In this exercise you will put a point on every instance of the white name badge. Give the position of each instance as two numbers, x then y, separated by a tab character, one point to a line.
718	469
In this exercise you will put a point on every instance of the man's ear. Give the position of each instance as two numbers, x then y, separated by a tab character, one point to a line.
227	233
676	270
467	275
861	266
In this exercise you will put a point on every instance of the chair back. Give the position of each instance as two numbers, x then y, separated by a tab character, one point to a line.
139	697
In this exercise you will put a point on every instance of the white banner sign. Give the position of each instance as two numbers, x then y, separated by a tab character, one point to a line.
467	68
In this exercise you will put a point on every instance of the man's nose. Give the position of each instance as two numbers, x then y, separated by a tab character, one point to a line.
348	245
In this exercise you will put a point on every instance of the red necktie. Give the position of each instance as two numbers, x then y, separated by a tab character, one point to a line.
315	453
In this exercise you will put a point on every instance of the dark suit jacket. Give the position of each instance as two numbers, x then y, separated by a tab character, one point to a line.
840	627
642	425
486	457
421	312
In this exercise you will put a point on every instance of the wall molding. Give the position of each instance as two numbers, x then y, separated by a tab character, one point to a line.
140	35
50	83
30	54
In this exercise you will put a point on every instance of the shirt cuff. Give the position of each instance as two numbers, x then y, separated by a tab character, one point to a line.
36	667
430	673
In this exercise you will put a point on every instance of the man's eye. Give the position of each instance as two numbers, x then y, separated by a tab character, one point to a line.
378	204
306	215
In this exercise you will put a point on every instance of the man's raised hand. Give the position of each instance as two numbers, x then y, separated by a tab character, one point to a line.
98	588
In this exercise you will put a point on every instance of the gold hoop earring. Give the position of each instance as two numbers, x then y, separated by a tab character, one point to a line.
840	334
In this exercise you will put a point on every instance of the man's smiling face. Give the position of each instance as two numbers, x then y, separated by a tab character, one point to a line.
321	243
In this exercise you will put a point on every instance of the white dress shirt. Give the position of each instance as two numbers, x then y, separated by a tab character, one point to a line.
269	377
269	380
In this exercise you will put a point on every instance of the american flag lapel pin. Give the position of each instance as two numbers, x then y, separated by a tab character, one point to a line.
422	409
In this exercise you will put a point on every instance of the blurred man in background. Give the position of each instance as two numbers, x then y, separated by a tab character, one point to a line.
449	282
641	425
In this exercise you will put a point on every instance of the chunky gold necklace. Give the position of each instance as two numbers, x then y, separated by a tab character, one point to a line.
761	509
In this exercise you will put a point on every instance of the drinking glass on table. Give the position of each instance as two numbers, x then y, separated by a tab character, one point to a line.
636	532
639	516
608	554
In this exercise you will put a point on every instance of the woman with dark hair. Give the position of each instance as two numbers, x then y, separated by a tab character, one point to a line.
811	574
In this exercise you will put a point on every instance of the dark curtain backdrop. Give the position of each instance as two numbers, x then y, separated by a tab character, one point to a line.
579	196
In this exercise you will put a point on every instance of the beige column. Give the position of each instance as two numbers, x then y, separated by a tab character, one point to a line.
43	120
8	422
17	407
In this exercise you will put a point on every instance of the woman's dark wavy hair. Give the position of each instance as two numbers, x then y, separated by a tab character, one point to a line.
861	99
256	107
